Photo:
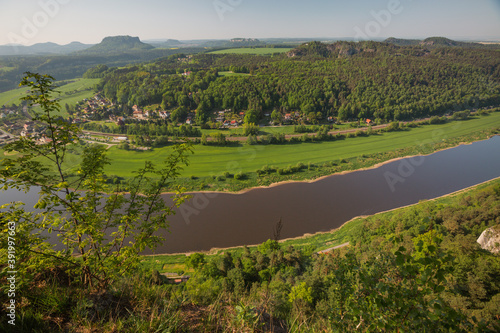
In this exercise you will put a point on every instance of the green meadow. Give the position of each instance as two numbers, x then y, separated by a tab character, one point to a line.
71	93
232	74
210	160
257	50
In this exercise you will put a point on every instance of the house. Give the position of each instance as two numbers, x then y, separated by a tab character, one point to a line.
189	121
27	125
2	115
368	121
138	114
234	123
288	116
180	279
164	114
45	139
186	73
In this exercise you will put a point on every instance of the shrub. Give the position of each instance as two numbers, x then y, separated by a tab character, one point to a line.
462	115
240	176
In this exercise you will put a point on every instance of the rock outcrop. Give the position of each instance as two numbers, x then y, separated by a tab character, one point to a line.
490	239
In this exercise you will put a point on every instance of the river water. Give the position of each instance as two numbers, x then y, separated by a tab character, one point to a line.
222	220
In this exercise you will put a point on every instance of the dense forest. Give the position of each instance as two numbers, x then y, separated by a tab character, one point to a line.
346	80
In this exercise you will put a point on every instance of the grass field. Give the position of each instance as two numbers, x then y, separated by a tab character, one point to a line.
257	50
70	93
210	160
287	130
232	74
6	69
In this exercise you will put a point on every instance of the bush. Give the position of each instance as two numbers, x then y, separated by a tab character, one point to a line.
437	120
462	115
240	176
252	140
220	178
394	126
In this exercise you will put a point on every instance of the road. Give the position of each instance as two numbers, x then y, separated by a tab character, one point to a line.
333	248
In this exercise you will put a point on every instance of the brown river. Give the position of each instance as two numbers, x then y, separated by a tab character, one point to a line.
223	220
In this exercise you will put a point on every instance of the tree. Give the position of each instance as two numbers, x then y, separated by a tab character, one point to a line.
195	260
251	117
250	129
276	116
106	228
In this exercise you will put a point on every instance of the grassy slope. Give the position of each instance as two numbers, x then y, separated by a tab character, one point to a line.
209	160
258	50
77	90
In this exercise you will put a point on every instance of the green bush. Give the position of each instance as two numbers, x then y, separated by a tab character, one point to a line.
240	176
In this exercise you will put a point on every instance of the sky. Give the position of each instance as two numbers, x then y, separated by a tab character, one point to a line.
29	22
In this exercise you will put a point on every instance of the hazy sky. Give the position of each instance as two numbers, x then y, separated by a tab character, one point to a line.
88	21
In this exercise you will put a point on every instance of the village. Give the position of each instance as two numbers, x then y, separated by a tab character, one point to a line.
15	122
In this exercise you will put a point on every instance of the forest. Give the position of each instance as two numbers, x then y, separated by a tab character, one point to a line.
346	80
417	268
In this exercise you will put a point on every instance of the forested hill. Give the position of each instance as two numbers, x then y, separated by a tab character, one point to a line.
117	45
433	42
345	79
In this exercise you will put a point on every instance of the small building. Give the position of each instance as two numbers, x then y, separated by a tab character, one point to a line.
138	114
163	114
28	125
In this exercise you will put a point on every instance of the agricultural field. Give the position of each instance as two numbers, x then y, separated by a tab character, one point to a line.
210	160
256	51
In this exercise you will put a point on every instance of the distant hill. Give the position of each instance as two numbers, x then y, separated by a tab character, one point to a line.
402	42
42	49
167	43
433	42
117	44
442	41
